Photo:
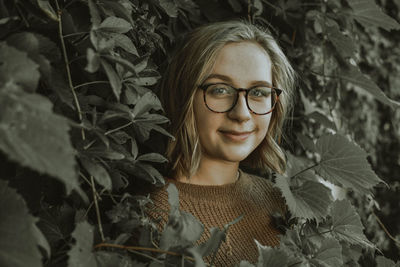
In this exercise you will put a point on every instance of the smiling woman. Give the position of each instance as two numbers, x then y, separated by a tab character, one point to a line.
226	91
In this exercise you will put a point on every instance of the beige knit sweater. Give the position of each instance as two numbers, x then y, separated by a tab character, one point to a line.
251	196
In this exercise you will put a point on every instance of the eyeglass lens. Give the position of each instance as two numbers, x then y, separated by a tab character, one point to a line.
222	97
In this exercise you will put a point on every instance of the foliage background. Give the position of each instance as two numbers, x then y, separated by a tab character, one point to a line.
81	130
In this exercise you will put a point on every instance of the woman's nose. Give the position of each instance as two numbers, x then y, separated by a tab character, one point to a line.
240	111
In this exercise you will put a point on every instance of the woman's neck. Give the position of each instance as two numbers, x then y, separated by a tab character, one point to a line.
213	172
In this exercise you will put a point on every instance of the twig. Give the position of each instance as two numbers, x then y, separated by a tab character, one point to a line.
64	50
96	204
89	83
118	128
384	229
73	34
142	249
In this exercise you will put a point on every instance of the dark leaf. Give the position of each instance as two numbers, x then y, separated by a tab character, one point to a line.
113	77
20	236
98	172
16	68
32	135
169	7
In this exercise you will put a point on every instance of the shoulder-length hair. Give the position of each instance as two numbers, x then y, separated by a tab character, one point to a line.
190	66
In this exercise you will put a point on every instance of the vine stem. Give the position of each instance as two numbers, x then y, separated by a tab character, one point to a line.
385	229
66	61
96	204
141	249
306	169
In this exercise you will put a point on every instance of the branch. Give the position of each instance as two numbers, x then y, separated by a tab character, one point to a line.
66	61
96	204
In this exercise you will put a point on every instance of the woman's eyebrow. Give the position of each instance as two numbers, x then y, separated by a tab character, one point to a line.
229	79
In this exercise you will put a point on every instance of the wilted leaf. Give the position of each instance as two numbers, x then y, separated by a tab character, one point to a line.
344	163
81	254
369	14
16	68
32	135
20	236
114	24
310	200
346	224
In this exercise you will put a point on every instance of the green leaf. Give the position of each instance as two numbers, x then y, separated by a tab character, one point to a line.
16	68
93	60
113	77
346	224
125	43
98	172
33	136
20	236
48	9
182	229
114	24
170	7
271	257
385	262
81	254
310	200
94	15
114	259
147	102
329	254
343	44
322	119
152	157
355	77
368	14
344	163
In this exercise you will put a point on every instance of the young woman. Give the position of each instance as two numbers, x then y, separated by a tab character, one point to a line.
226	92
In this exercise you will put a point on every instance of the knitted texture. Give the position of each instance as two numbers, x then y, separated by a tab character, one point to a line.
214	206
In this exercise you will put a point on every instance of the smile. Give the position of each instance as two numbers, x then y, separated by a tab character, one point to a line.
236	136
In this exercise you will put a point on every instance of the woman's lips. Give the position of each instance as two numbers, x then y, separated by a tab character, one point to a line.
236	136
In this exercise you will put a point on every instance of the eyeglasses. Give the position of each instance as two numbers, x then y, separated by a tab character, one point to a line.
221	97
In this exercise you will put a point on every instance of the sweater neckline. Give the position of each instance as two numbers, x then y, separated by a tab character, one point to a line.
212	192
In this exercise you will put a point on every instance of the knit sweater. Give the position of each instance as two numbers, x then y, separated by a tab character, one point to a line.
215	206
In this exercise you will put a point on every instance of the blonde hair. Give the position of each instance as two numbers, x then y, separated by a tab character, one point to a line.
191	64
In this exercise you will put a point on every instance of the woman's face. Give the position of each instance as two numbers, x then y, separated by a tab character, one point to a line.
233	135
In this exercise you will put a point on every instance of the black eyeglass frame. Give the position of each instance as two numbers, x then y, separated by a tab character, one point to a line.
238	90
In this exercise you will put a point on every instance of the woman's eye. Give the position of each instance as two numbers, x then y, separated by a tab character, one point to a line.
260	92
220	91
